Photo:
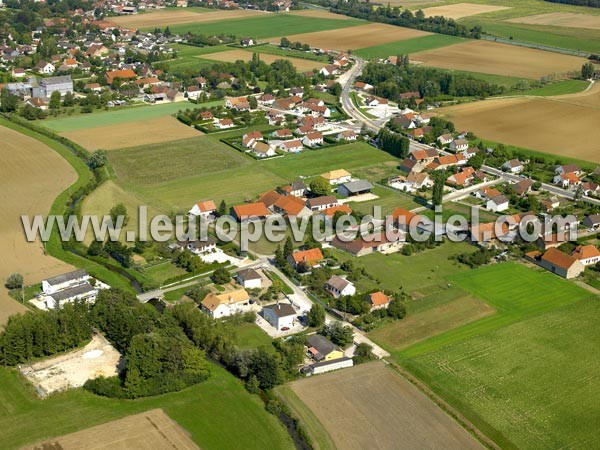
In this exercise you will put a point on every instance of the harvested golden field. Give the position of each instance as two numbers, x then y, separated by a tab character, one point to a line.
353	38
146	431
164	17
32	175
319	13
460	10
566	125
234	55
123	135
561	19
500	59
370	406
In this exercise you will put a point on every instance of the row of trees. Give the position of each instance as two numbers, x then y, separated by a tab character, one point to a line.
393	143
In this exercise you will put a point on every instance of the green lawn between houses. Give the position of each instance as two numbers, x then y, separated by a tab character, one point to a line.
261	27
218	413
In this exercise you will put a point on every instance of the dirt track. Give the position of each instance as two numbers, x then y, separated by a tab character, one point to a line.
32	175
370	406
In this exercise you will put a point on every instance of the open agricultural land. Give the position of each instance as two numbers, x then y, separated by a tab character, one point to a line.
563	125
362	36
502	59
524	375
216	414
265	26
370	406
180	173
301	64
128	134
460	10
32	176
169	17
408	46
570	20
147	430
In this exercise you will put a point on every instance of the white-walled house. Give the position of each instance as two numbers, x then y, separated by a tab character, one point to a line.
340	287
513	166
226	304
205	208
587	254
64	281
249	279
68	288
280	315
498	203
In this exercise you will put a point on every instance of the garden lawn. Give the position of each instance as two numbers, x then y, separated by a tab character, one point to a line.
409	46
218	413
118	115
260	27
249	336
515	291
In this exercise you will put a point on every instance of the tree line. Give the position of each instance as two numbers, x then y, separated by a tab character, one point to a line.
590	3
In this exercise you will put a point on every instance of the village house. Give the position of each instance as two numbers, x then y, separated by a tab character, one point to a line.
202	246
443	162
266	100
247	42
513	166
461	179
291	206
250	211
378	242
567	180
282	133
249	139
237	103
559	263
45	68
122	75
249	279
263	150
296	188
322	203
340	287
498	203
282	316
347	135
486	193
445	139
37	102
373	101
329	70
378	300
587	254
205	209
523	187
223	124
292	146
313	139
353	188
363	86
319	348
591	222
330	212
312	258
68	288
590	188
459	145
337	176
568	168
226	304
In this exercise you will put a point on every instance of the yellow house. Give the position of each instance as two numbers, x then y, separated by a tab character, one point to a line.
321	349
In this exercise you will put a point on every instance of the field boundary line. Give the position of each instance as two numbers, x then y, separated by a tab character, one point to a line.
465	423
548	48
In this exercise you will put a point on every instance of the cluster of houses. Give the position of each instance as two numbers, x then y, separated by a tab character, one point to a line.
69	287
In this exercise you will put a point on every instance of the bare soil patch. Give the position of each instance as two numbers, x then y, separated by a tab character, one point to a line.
73	369
146	431
123	135
353	38
501	59
234	55
565	125
459	10
32	175
370	406
561	19
165	17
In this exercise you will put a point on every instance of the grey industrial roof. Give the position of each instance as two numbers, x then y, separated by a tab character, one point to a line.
68	293
358	186
66	277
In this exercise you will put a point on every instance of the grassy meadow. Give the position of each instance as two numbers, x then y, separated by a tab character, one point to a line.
218	413
408	46
268	26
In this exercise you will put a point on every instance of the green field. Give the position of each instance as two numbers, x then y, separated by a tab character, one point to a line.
249	335
408	46
515	291
116	116
558	88
218	413
274	25
530	385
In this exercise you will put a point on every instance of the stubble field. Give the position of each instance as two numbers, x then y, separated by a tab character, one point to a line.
357	37
460	10
564	125
500	59
370	406
144	132
31	177
168	17
300	64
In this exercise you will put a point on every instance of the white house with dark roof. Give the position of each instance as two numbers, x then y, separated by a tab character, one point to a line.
249	279
280	315
340	287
